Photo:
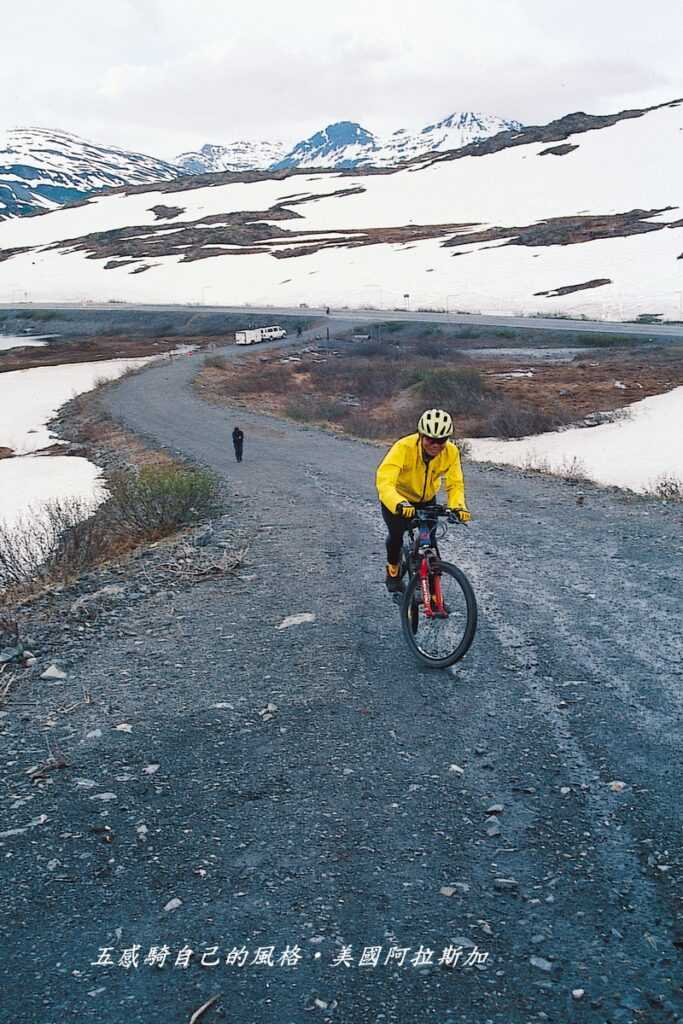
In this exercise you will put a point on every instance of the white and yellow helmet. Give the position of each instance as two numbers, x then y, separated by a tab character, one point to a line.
435	423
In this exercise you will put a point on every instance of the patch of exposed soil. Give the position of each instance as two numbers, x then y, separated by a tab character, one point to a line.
241	232
162	212
249	232
567	289
571	230
558	150
7	254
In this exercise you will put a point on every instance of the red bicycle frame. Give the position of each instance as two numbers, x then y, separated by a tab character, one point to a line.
432	601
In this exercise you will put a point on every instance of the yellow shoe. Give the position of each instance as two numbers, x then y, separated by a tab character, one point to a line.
392	580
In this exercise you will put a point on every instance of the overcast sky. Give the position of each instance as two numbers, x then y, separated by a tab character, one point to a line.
163	76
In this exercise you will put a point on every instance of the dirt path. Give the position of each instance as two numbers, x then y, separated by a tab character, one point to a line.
342	821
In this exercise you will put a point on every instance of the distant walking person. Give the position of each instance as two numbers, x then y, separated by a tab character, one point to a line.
238	443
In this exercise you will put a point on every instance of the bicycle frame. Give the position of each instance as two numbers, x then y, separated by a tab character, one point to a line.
424	555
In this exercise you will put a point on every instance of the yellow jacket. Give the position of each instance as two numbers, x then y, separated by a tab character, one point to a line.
404	475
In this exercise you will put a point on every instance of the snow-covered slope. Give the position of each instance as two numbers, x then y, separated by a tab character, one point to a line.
636	453
238	156
580	217
41	169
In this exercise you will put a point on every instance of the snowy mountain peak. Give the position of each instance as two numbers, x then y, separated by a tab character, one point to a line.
469	121
347	144
41	169
345	133
343	144
237	156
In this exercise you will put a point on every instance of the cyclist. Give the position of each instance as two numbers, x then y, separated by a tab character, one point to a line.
409	477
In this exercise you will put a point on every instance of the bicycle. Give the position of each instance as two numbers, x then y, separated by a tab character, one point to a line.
438	607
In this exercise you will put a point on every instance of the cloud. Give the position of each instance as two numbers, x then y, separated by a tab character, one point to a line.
163	76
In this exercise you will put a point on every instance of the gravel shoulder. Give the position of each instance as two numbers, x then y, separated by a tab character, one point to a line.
358	811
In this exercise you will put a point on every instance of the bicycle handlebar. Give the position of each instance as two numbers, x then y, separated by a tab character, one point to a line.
435	511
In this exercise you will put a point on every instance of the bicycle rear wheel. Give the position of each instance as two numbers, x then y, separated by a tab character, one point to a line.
440	642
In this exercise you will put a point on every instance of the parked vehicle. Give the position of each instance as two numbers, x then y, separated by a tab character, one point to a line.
259	334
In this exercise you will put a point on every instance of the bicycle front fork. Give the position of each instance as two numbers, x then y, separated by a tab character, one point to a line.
432	598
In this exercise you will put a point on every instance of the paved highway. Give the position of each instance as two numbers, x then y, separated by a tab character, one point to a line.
362	316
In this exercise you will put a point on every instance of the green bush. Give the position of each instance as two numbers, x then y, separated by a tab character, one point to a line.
460	390
158	499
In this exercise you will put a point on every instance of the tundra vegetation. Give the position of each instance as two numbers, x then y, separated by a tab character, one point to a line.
376	387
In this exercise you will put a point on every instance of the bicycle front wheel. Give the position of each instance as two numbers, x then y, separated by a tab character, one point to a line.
440	642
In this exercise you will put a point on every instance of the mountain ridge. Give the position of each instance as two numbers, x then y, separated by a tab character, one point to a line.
347	144
43	169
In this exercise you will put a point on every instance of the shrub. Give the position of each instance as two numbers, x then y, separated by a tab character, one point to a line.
33	547
435	347
217	362
668	488
460	390
68	536
507	419
571	469
159	499
307	408
259	377
369	348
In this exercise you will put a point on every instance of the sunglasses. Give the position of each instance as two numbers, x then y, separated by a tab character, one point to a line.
436	440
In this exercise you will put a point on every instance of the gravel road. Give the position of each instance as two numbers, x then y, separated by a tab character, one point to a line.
382	805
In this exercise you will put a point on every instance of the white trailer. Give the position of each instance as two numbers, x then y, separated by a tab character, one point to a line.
259	334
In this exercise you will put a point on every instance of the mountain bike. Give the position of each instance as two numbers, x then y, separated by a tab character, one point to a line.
438	607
